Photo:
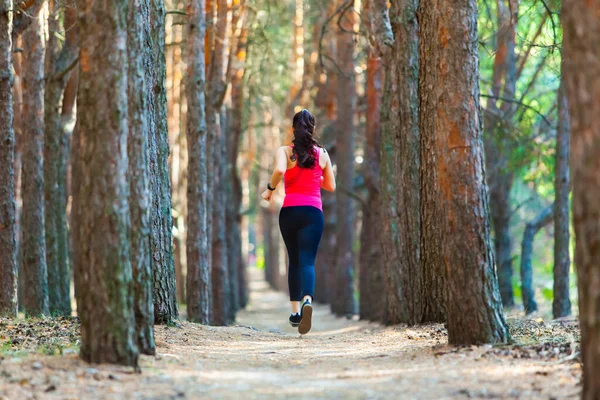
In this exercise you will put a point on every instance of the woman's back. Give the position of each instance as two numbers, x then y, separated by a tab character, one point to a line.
303	185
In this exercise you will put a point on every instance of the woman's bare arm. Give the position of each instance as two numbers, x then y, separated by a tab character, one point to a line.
328	180
278	172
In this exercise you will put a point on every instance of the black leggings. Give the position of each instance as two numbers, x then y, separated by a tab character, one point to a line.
301	228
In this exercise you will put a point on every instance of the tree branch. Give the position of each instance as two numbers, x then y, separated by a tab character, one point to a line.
517	102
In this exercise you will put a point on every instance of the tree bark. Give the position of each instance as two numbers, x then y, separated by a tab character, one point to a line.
57	63
531	229
218	172
344	302
139	173
582	68
234	220
8	240
33	249
199	286
498	146
103	276
165	287
372	284
561	305
451	129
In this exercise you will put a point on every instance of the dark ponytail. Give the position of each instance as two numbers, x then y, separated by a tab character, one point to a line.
304	143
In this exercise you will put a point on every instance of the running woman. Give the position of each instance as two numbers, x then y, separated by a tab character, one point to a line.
306	168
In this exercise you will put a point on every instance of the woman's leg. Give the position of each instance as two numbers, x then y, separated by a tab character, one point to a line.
289	231
309	237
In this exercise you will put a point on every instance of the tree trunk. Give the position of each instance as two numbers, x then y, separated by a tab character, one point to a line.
8	240
531	229
400	171
217	171
561	305
139	173
344	302
58	61
498	147
199	286
451	130
165	287
103	276
582	68
33	249
236	258
372	285
18	161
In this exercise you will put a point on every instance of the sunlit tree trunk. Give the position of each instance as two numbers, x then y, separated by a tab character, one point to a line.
103	276
531	229
199	286
449	103
165	287
561	305
139	173
8	240
18	159
581	45
33	249
344	302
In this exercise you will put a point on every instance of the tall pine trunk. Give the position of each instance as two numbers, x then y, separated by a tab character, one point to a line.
165	287
221	291
139	173
57	64
343	302
451	128
32	246
561	305
581	45
199	286
498	146
372	285
8	240
103	276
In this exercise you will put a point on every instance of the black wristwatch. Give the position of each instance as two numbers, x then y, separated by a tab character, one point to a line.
269	186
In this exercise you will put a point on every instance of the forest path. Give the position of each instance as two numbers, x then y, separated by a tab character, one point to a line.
264	358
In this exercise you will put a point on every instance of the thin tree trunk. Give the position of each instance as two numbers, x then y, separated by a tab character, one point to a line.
8	240
33	248
165	287
451	128
237	107
103	276
498	146
531	229
372	285
18	161
57	64
139	174
581	45
344	302
215	94
199	286
561	305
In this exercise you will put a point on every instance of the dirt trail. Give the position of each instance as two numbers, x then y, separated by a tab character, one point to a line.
264	358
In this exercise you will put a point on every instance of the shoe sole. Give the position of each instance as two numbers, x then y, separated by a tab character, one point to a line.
294	325
305	324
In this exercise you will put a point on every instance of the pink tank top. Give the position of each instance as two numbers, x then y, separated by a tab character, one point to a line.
303	185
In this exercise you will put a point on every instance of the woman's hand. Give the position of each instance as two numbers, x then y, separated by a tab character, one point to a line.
267	194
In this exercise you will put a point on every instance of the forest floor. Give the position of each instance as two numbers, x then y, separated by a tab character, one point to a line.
263	357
